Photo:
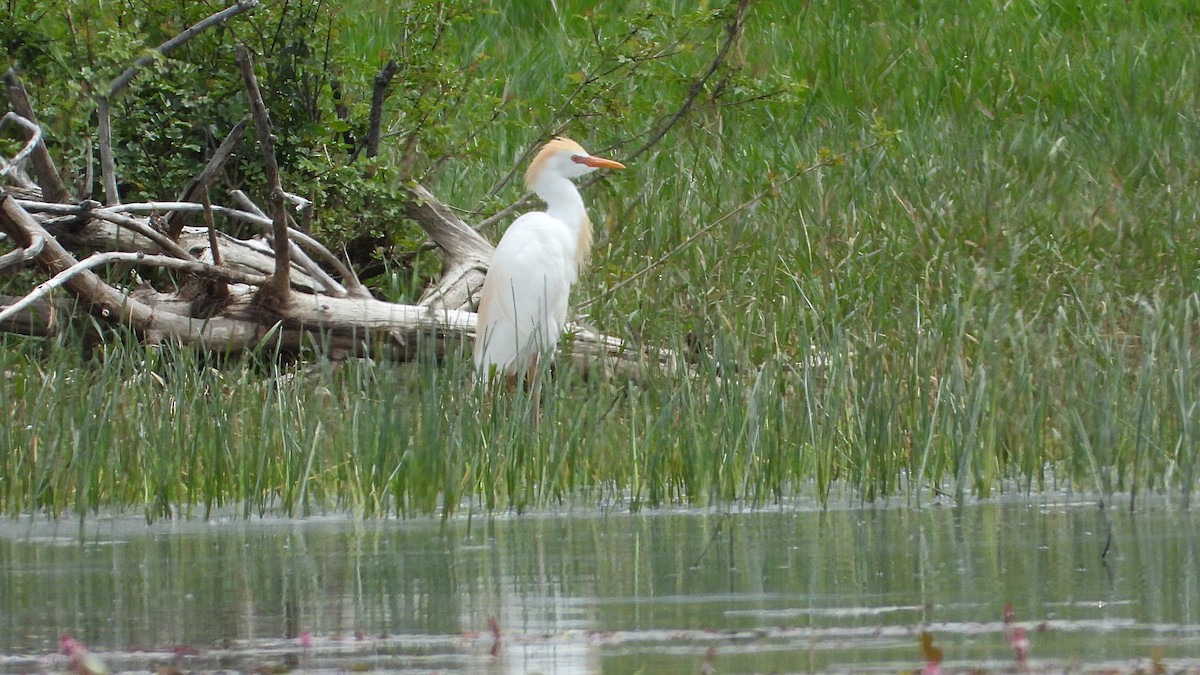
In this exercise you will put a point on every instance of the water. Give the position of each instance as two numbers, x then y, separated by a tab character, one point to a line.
789	590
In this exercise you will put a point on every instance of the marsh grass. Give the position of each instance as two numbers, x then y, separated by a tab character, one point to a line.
1003	296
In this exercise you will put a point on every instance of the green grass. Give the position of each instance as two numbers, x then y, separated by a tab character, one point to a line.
1003	296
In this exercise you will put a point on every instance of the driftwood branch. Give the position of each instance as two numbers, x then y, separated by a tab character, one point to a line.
353	286
303	260
35	140
279	285
204	179
39	319
145	230
447	230
465	253
23	254
214	247
21	226
116	215
108	165
314	270
160	317
35	243
84	186
249	255
100	259
43	166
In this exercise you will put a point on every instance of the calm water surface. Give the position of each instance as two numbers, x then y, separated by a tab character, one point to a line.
788	590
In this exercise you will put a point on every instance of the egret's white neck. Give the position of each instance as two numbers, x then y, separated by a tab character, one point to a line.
564	202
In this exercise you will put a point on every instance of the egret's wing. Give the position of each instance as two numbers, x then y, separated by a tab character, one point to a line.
523	304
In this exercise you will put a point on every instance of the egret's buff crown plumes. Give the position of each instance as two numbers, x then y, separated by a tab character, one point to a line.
523	306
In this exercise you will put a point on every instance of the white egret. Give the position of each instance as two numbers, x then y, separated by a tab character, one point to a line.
523	305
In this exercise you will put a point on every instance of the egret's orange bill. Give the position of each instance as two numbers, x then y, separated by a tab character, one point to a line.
598	162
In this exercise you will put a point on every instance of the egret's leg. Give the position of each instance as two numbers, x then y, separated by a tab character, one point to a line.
510	382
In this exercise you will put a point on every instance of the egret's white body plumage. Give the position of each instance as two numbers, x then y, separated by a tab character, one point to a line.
523	306
524	302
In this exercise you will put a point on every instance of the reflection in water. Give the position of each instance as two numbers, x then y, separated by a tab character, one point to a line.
791	589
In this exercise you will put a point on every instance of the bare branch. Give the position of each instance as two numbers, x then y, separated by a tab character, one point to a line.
353	286
466	254
145	229
378	94
457	289
109	302
344	269
115	214
35	139
22	255
213	248
314	270
255	216
83	190
47	175
526	202
732	30
248	206
174	43
205	178
280	284
250	213
302	204
108	166
299	257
